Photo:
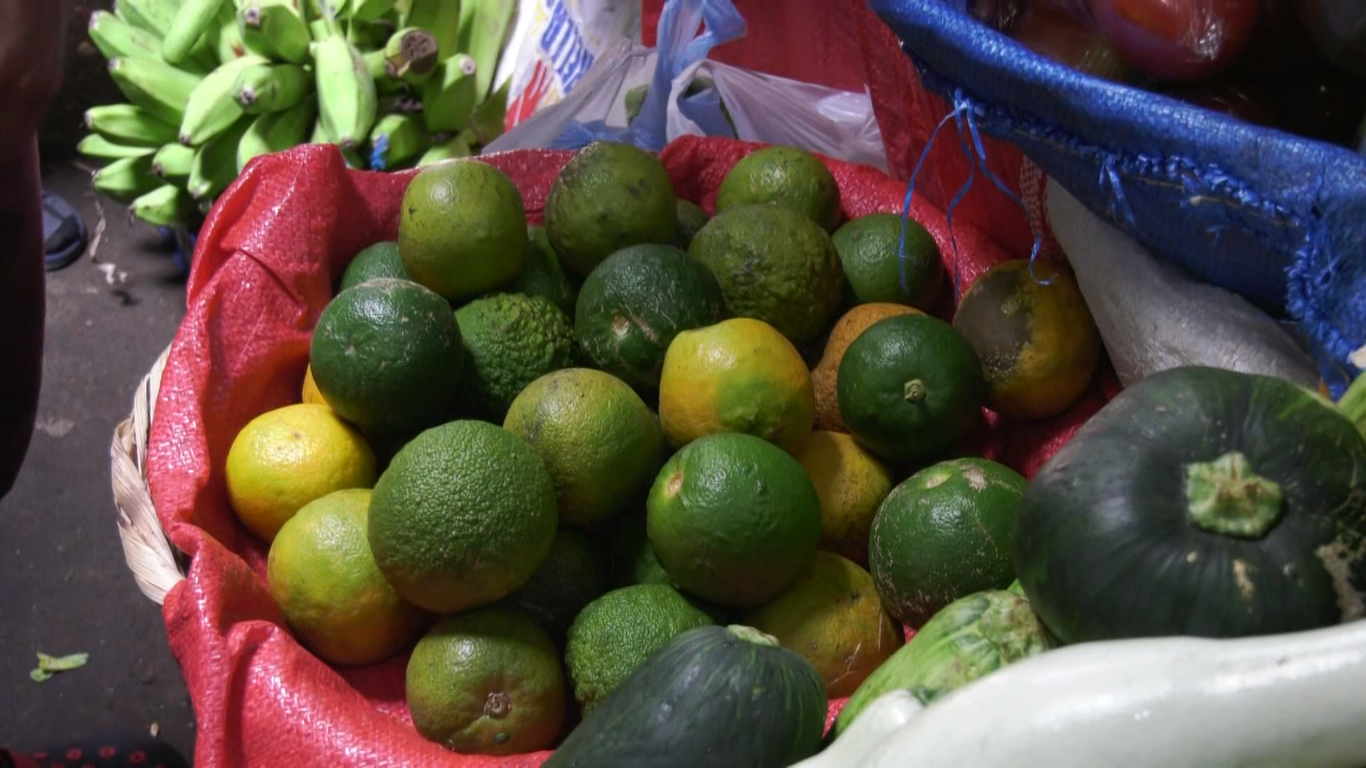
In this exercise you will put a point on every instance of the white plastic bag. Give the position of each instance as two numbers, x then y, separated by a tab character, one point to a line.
1153	317
554	43
761	107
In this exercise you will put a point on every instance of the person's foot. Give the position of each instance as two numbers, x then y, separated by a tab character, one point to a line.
64	234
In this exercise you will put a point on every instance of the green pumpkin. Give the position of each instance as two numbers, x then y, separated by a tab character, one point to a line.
713	696
1199	502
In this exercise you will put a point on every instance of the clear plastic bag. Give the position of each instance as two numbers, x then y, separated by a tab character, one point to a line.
738	103
1153	317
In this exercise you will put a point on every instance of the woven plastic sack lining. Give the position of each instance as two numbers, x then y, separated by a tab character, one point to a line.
264	268
263	272
1278	219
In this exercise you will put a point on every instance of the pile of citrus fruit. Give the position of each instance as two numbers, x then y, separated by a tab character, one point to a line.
562	458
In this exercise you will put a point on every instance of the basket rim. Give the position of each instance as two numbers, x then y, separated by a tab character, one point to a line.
156	564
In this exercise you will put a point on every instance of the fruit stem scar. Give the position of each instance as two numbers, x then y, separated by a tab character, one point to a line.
497	705
1225	496
914	391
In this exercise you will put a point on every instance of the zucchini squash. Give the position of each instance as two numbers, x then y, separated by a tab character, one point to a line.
1281	700
713	696
1201	502
969	638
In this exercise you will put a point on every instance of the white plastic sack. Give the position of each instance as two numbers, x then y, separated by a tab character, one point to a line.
763	108
554	43
1153	317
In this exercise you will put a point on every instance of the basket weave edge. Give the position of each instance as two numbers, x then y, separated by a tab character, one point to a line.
155	564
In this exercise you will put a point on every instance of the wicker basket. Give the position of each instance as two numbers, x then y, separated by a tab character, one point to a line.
156	565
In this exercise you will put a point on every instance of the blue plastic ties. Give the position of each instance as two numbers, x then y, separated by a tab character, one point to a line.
962	115
910	194
959	109
1037	245
379	151
1119	203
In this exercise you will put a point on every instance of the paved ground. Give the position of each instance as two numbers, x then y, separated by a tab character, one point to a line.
63	583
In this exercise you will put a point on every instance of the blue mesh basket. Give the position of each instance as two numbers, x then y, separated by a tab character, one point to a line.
1279	219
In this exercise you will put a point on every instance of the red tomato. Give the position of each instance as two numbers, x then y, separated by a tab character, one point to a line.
1066	39
1176	39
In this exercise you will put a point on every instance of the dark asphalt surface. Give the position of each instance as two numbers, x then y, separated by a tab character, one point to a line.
64	586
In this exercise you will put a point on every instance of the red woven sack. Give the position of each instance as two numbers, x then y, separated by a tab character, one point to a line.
263	271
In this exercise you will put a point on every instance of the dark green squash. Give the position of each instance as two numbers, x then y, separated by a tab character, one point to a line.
1198	502
713	696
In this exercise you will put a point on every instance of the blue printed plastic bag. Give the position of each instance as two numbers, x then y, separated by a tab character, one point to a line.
1276	218
758	107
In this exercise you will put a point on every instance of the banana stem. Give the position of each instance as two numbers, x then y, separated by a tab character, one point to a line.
329	17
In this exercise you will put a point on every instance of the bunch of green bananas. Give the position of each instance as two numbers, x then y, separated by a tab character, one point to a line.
212	84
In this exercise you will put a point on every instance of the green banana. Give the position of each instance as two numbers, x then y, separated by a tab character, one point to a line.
117	38
126	179
192	20
97	147
378	68
172	163
451	149
483	28
352	156
439	17
411	55
276	132
157	87
319	30
127	124
211	109
155	16
225	38
448	98
396	140
267	88
347	98
165	206
215	164
487	121
274	29
369	10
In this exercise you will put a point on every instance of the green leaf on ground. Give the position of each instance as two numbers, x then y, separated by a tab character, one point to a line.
51	665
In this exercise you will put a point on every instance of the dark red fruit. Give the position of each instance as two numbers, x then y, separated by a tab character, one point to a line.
1066	39
1177	39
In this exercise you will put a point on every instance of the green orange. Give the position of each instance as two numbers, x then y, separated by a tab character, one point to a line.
487	682
599	440
739	375
834	618
325	581
733	519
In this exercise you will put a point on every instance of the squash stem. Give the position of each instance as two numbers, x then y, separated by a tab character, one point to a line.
914	391
1225	496
751	635
1353	403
